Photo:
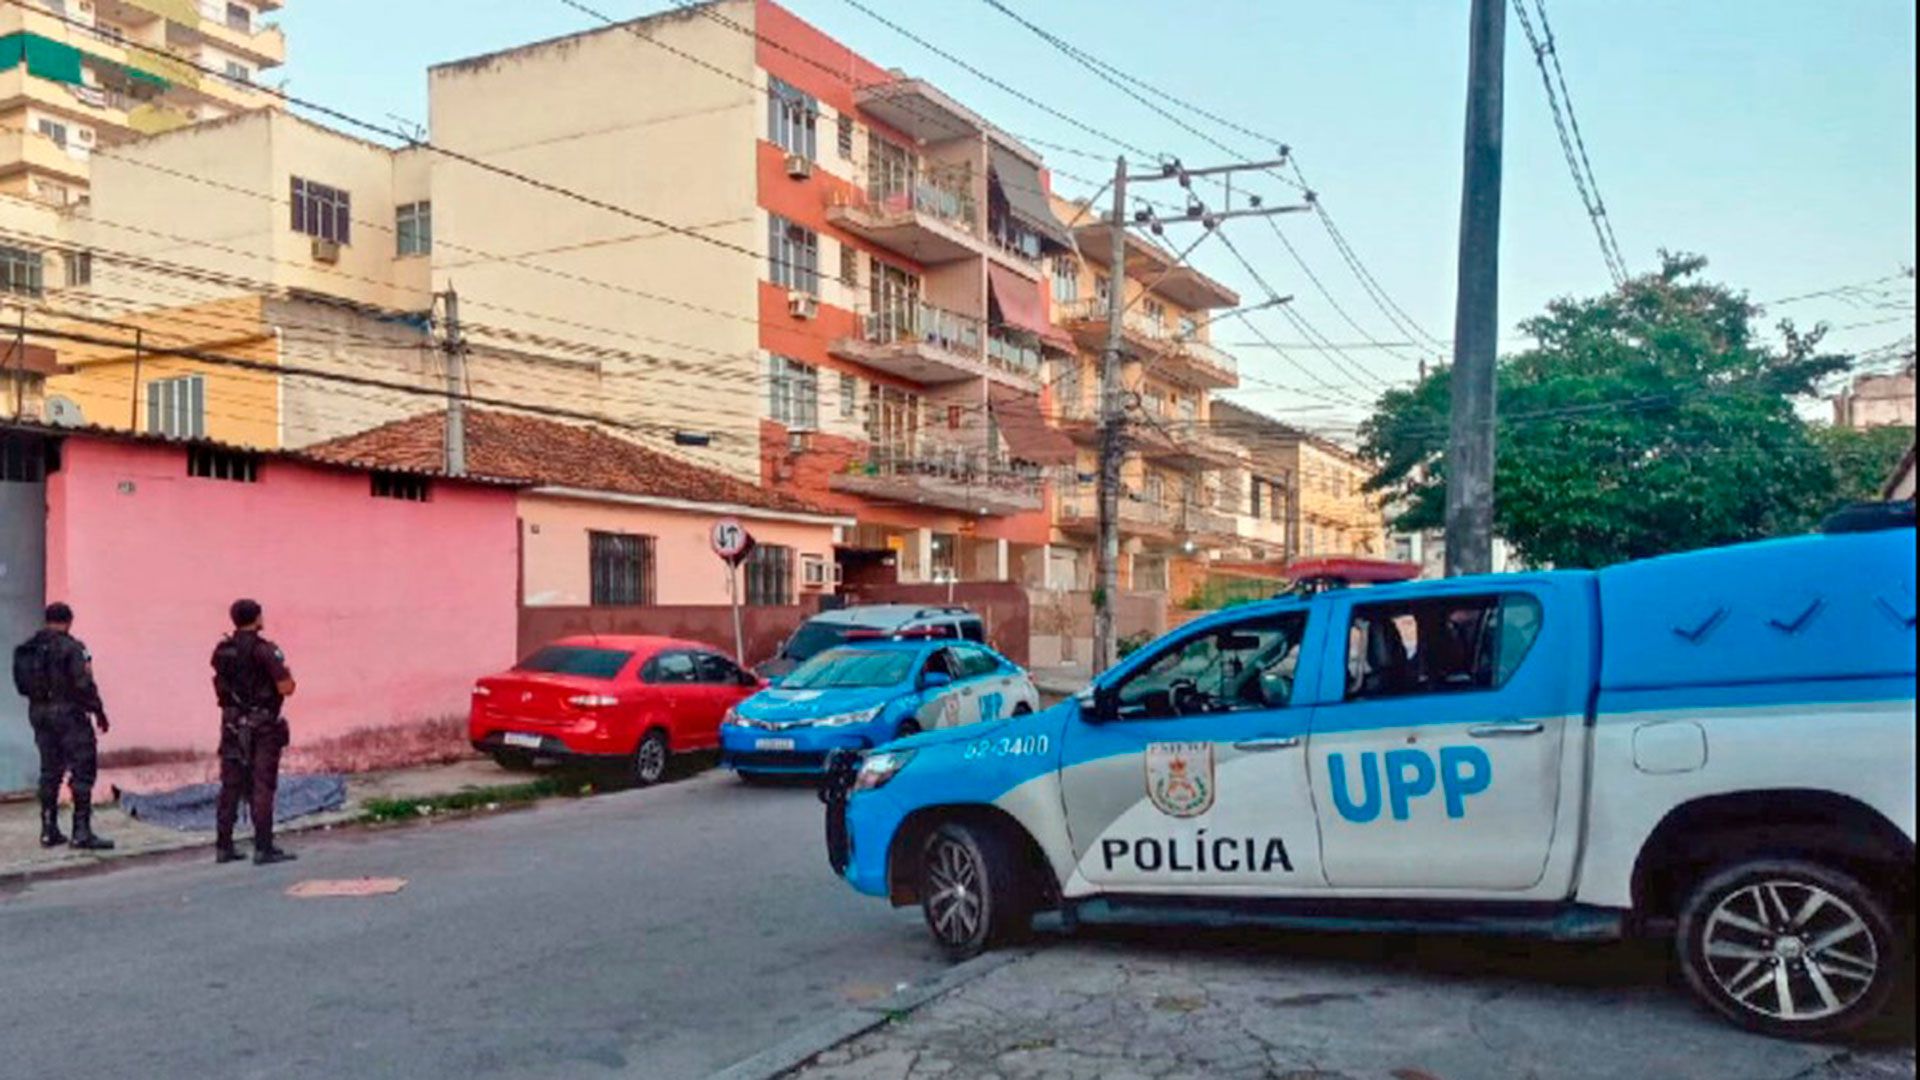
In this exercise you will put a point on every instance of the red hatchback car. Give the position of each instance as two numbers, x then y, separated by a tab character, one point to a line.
631	701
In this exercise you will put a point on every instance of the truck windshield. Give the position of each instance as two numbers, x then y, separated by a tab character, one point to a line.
848	669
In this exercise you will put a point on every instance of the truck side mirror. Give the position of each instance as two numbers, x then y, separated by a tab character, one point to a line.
1098	704
934	680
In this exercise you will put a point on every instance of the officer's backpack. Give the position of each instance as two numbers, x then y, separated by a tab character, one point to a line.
32	668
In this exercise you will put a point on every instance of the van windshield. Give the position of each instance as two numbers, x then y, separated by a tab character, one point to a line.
815	638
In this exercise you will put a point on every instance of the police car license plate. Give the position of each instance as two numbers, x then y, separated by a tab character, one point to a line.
515	738
773	744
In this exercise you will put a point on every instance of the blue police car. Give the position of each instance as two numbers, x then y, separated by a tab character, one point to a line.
866	693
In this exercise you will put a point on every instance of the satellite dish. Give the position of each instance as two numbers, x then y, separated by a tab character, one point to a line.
64	412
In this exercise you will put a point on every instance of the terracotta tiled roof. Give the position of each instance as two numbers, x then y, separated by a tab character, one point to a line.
507	446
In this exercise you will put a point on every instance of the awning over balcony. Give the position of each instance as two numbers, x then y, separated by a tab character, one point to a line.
1025	431
1026	198
1021	306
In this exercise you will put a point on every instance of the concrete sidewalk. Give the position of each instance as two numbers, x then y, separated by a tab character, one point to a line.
1163	1004
22	856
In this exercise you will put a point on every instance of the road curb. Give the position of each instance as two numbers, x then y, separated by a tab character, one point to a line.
850	1023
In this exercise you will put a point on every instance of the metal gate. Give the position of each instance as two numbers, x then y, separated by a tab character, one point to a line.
23	568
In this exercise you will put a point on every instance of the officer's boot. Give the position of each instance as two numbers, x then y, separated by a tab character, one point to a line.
50	834
83	837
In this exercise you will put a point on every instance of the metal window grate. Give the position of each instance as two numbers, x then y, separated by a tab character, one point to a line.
793	255
621	569
403	486
791	117
22	271
213	463
769	571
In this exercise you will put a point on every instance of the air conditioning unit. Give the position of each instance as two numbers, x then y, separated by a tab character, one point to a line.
816	572
799	440
803	305
799	166
326	251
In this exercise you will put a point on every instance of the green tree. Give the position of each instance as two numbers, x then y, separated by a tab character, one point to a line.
1862	459
1646	420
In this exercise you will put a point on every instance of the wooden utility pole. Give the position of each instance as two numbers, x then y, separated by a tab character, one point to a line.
455	346
1112	417
1476	319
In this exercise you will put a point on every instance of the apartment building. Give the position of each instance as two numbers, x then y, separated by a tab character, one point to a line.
77	76
1328	510
834	272
1178	479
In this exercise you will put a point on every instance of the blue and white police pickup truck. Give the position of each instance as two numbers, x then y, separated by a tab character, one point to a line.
1717	745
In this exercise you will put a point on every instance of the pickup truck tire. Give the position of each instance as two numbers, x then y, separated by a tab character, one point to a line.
970	890
1788	948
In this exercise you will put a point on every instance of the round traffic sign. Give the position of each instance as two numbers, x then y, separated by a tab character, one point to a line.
730	539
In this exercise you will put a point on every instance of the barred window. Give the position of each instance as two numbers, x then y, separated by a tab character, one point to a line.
770	576
793	393
1066	280
406	487
844	136
413	228
213	463
791	115
322	211
622	569
793	253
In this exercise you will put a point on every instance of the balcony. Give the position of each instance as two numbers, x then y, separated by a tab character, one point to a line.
1184	286
1015	352
917	341
916	108
962	479
1182	444
931	219
1077	510
1206	525
264	46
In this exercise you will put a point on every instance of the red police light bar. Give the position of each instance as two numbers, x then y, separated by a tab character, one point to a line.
1338	571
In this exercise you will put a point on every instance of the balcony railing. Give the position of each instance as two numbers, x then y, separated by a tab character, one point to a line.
952	476
1203	353
1093	309
918	322
1015	351
945	195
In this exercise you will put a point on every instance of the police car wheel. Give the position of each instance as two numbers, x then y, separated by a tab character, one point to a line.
1788	948
650	759
970	891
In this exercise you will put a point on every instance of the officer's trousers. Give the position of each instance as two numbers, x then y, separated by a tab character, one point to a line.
249	770
68	751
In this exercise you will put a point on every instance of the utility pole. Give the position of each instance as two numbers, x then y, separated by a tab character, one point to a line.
455	346
1476	317
1107	557
1112	416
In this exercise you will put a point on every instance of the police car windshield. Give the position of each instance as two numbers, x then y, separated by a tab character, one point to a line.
849	669
577	660
814	638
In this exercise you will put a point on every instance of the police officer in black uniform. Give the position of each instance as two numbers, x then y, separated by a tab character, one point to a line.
250	680
55	674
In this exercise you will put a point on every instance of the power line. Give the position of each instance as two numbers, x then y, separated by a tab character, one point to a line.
1546	56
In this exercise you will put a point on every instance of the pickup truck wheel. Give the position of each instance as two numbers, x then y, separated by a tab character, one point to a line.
970	891
650	759
1788	948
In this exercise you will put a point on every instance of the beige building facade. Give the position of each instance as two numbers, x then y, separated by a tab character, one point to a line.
1328	510
79	77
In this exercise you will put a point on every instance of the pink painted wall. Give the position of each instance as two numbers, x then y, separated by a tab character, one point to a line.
387	609
554	539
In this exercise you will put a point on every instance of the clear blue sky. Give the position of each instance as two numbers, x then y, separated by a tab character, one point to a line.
1775	137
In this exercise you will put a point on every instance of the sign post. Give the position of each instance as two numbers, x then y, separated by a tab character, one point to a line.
733	543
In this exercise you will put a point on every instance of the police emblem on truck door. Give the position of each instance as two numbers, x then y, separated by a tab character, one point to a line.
1180	777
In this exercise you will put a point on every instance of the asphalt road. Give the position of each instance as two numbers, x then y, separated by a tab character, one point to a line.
658	933
675	931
